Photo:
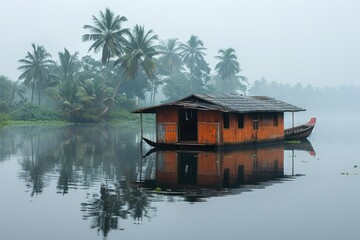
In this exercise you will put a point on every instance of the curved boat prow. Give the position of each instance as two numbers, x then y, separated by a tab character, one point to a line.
300	132
312	121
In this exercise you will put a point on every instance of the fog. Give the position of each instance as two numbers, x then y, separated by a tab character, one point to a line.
311	42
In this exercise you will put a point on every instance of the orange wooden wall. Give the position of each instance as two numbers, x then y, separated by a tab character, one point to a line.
167	125
265	132
211	128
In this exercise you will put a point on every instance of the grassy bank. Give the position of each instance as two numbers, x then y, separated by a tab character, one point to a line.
38	123
118	119
3	119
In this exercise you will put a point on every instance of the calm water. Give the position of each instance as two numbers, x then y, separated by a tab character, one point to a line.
51	179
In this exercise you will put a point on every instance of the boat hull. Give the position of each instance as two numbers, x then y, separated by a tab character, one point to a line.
300	132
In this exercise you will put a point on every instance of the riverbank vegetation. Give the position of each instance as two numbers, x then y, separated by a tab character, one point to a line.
135	66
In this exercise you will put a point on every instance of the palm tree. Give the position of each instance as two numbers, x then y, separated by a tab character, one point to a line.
68	66
170	56
227	68
5	88
17	91
93	94
107	34
35	69
67	84
65	92
139	53
193	56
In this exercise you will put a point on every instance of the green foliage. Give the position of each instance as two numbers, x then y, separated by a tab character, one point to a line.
134	65
4	107
122	115
5	88
126	104
84	117
39	124
3	119
32	112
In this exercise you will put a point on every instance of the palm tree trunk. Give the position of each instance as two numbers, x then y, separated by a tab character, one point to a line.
154	92
112	100
39	93
32	92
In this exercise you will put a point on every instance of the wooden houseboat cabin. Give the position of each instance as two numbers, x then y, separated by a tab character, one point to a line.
219	120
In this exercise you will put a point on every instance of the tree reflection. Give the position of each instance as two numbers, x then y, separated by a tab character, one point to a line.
79	156
85	156
37	162
125	201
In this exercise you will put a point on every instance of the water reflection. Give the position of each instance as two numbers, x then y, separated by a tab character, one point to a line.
124	201
120	184
199	174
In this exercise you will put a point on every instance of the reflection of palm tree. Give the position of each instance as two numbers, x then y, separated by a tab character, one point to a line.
138	205
126	200
35	168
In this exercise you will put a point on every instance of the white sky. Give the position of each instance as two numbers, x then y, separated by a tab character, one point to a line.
309	41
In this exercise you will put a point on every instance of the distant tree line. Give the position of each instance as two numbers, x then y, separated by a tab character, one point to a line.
319	100
134	65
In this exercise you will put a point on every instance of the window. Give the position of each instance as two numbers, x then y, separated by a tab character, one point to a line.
276	123
226	120
269	119
255	124
240	120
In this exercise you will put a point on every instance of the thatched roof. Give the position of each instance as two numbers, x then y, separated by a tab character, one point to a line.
227	103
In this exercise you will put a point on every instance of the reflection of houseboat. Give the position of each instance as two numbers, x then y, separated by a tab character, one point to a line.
180	170
219	120
210	173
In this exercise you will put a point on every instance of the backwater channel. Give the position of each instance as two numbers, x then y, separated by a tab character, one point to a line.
99	182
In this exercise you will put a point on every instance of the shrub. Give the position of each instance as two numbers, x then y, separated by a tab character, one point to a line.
33	112
3	119
82	117
122	115
4	107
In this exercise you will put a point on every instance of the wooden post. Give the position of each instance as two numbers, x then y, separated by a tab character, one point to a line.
141	146
292	162
293	125
141	129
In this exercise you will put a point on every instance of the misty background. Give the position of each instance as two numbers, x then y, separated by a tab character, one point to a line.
303	52
310	42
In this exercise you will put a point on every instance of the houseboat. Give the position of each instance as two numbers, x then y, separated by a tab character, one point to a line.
218	120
